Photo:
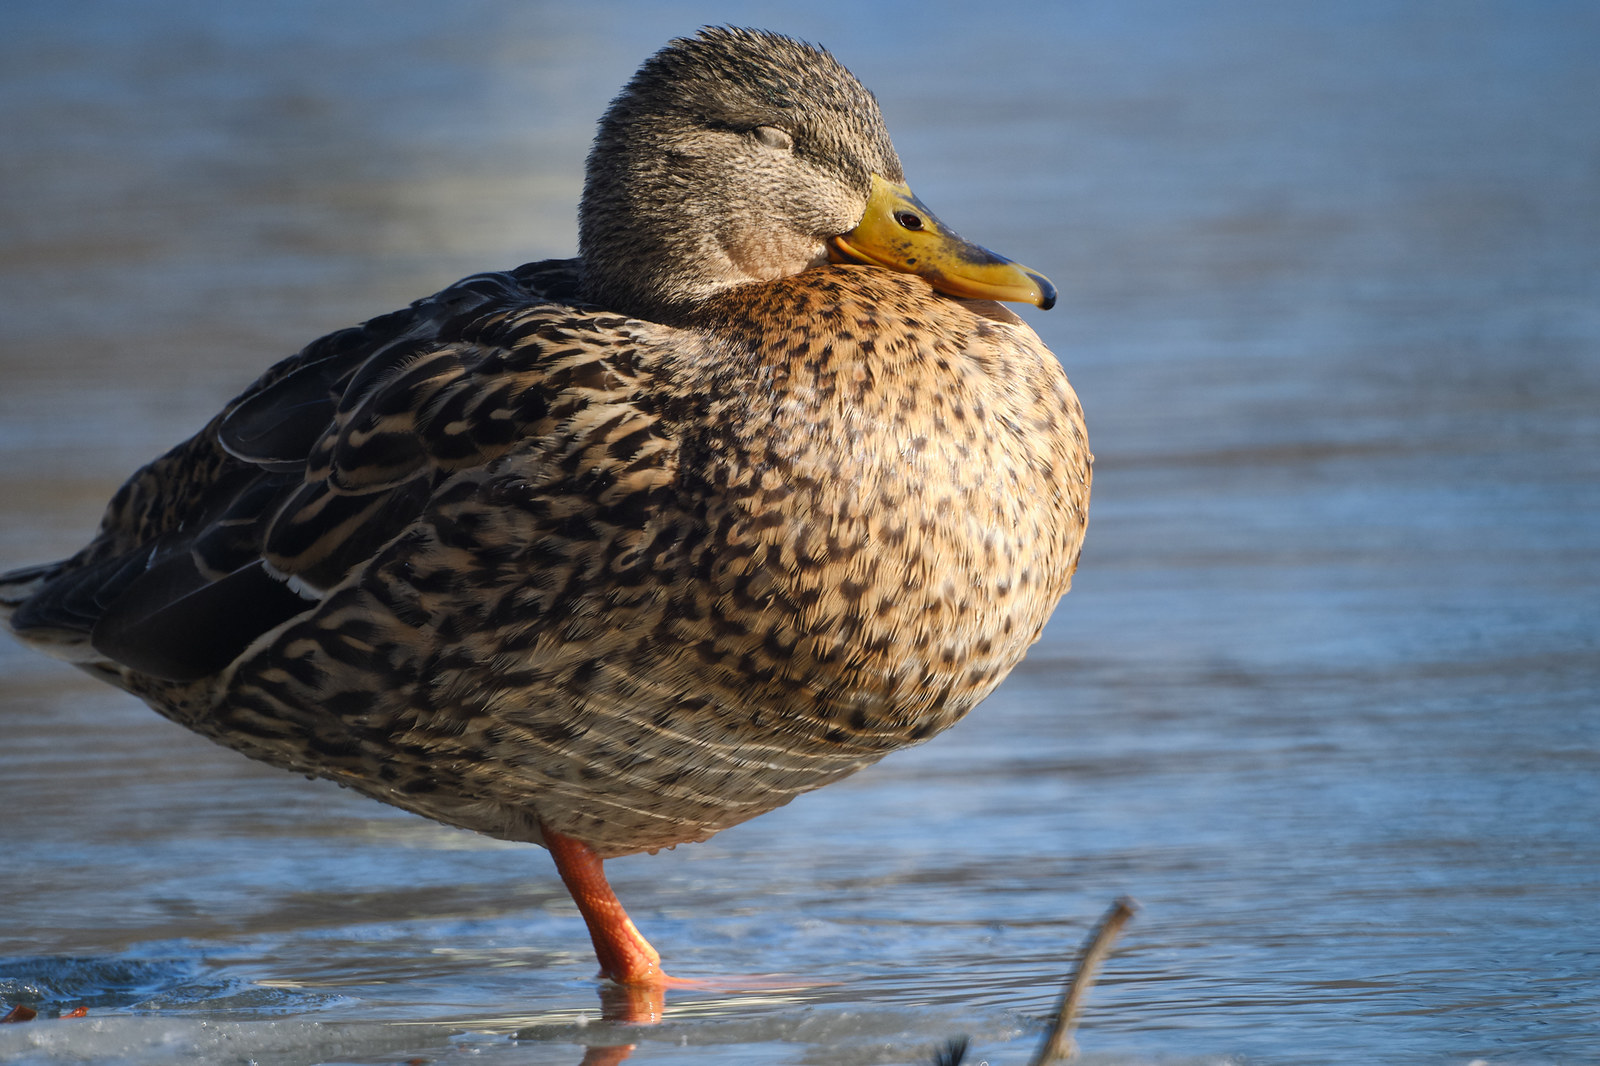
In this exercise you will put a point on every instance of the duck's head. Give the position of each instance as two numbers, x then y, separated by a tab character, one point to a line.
741	156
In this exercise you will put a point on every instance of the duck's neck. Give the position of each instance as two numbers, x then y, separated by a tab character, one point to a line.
677	279
653	252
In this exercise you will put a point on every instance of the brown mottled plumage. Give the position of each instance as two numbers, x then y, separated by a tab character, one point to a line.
626	549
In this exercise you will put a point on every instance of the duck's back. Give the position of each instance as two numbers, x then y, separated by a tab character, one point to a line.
500	559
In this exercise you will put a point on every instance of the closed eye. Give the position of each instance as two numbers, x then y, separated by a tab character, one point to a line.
773	137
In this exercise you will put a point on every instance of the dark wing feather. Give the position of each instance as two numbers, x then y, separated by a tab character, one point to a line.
179	625
277	427
330	455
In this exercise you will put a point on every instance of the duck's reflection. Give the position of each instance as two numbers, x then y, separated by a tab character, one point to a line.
633	1004
639	1005
606	1056
626	1005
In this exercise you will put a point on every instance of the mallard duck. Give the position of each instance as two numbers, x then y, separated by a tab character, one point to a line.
611	553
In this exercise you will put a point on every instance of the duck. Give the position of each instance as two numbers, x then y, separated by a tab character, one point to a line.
611	553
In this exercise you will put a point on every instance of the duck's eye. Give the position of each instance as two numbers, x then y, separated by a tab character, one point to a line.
908	220
773	137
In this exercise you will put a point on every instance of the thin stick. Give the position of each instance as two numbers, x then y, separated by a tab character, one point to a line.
1058	1046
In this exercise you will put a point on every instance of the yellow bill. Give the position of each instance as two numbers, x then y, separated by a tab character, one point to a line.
899	233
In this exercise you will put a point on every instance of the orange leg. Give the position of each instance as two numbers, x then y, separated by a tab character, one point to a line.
626	957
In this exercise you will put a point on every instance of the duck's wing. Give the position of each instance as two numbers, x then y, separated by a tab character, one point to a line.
300	479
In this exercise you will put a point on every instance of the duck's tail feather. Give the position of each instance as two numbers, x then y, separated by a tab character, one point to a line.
18	588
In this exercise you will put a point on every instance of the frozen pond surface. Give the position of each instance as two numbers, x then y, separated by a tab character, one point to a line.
1326	697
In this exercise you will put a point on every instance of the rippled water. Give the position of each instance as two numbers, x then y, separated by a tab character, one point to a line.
1324	698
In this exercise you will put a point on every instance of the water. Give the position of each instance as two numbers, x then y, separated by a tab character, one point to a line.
1324	698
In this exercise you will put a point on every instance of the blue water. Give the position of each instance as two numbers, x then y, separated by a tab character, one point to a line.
1326	696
